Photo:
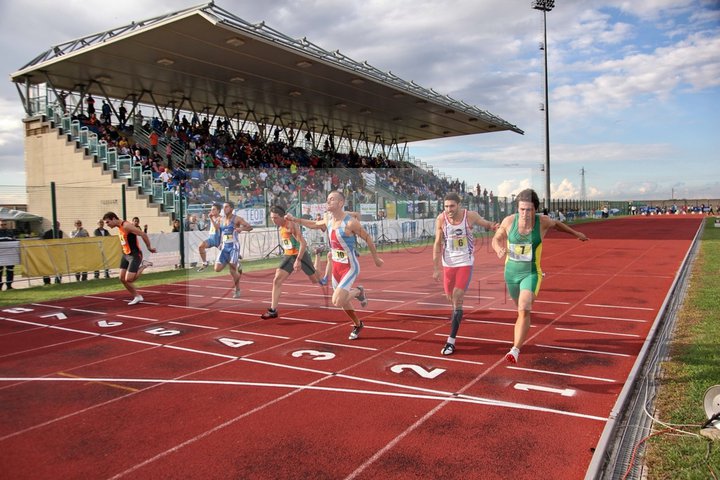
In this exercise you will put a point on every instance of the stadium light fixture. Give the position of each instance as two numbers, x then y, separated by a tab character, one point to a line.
545	6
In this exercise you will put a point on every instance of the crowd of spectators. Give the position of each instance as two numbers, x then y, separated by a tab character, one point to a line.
252	168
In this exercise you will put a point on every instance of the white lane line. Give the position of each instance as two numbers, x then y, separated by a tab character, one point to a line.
618	306
492	340
375	299
240	313
202	352
305	305
506	324
479	297
234	299
46	305
406	292
261	334
417	315
307	320
608	318
598	332
583	350
444	359
515	310
185	294
390	329
188	307
431	303
573	375
549	301
97	297
193	325
143	342
131	317
342	345
87	311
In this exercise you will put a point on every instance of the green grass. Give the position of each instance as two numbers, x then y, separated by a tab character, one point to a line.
693	367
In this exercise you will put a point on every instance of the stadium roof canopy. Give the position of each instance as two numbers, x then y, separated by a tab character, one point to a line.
205	59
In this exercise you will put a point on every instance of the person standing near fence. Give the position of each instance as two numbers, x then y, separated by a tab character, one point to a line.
230	228
132	264
7	235
79	232
49	235
454	251
101	231
519	239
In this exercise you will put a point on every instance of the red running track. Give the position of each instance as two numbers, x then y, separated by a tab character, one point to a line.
192	384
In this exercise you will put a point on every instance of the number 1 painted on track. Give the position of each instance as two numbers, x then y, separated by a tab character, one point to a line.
565	392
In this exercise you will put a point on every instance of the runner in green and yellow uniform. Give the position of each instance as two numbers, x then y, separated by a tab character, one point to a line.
519	239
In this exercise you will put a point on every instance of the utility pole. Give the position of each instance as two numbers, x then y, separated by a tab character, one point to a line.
546	6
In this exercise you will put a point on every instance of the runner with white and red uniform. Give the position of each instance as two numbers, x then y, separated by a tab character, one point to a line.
343	230
454	247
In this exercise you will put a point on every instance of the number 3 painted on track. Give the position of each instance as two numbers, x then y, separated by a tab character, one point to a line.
314	353
424	373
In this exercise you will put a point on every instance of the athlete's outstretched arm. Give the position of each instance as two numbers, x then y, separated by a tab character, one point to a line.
437	247
499	241
355	227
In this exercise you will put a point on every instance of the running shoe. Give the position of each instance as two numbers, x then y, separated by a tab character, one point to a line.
356	331
236	293
448	349
512	355
136	300
146	263
202	266
362	297
323	281
269	314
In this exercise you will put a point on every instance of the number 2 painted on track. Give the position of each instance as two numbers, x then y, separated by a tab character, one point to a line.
424	373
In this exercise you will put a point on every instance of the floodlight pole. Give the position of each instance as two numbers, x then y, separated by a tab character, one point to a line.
546	6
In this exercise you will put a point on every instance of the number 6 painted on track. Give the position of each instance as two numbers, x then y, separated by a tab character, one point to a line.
314	353
434	373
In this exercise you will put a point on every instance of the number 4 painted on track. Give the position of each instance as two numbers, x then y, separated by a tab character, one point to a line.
565	392
233	343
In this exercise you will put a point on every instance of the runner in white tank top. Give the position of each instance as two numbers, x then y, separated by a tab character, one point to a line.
454	247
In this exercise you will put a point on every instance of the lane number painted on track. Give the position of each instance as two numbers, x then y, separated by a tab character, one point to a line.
18	310
106	324
315	354
163	332
565	392
58	315
423	372
234	343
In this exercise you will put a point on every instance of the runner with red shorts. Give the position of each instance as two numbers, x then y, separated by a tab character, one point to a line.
454	246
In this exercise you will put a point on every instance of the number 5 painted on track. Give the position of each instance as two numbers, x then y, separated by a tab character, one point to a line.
163	332
106	324
434	373
314	353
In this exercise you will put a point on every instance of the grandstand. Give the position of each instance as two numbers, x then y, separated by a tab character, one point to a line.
235	80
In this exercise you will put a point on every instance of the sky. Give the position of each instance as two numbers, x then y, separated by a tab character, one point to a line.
634	85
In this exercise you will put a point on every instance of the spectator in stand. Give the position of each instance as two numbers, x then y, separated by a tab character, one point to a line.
90	105
105	113
79	232
122	116
154	140
136	222
101	231
7	235
176	225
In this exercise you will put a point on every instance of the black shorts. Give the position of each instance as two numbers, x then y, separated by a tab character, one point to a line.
305	263
131	262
